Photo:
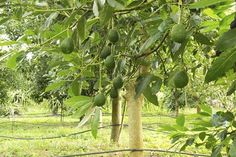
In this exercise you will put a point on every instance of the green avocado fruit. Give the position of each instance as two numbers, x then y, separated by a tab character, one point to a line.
180	79
113	93
109	62
113	36
105	52
178	33
99	100
67	45
118	82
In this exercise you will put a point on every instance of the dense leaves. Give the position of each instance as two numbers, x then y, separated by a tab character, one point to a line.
221	65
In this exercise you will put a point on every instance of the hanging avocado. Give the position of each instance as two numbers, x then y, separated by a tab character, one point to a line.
113	36
178	33
105	52
180	79
99	100
113	93
118	82
67	45
109	62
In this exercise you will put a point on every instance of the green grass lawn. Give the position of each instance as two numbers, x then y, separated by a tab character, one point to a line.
35	125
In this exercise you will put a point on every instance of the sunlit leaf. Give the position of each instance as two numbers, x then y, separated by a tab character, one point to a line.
106	15
205	3
142	84
78	101
12	61
152	98
232	88
81	27
95	122
221	65
55	85
227	40
180	120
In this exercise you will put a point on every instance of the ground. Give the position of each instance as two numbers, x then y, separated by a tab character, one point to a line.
36	122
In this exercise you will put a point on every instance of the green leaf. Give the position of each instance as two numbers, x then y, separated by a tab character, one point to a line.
95	8
232	149
4	20
78	101
203	123
81	27
49	20
83	109
204	114
234	124
152	98
142	83
216	151
8	43
202	136
106	15
55	85
229	116
75	86
12	61
180	128
232	88
167	128
227	40
210	13
180	120
150	41
134	3
176	136
200	129
206	108
95	122
190	141
156	86
179	51
221	65
115	4
70	20
205	3
201	38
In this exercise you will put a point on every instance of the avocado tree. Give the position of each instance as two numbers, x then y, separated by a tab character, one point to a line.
120	49
214	131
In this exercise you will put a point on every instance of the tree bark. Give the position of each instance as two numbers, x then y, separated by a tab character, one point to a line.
100	118
176	108
134	120
176	104
198	109
116	120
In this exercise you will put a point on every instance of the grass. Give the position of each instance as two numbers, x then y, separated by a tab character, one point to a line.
33	124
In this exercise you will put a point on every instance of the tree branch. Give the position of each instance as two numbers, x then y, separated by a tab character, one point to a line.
154	50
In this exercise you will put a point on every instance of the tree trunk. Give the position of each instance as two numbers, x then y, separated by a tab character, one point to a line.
176	108
134	120
100	118
116	119
176	104
198	109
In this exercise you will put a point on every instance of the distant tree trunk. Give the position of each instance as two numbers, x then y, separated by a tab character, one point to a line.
198	109
100	119
116	119
134	120
176	108
176	103
197	100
